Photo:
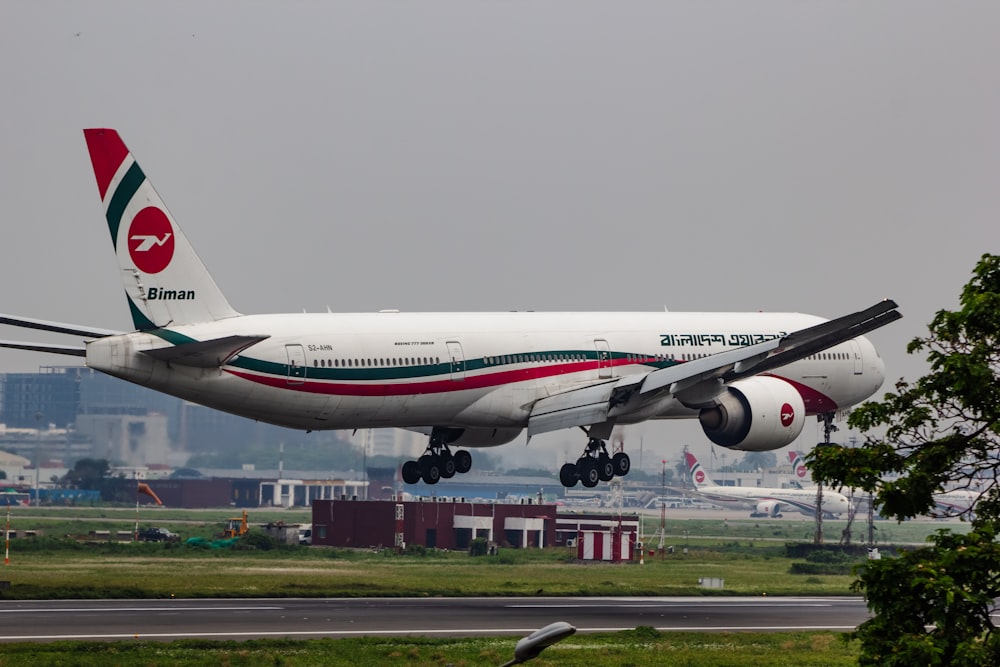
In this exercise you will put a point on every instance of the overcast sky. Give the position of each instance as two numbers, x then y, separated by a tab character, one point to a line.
561	155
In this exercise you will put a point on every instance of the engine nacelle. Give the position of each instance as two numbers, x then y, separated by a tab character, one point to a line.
757	414
477	437
767	509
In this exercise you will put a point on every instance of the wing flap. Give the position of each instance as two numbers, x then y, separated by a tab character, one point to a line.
577	407
207	353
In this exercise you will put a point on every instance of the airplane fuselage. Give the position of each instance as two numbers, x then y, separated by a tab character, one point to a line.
751	498
466	370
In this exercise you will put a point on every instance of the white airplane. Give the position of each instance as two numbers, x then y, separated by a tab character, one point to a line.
761	501
946	503
954	503
463	379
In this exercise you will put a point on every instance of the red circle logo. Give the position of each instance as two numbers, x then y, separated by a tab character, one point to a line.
699	476
800	471
151	240
787	415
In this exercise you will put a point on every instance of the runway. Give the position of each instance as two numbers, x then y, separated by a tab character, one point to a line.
40	621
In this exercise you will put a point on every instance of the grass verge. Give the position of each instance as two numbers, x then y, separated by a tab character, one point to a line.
642	647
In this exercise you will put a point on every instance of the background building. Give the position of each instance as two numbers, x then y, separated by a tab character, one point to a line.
433	524
64	413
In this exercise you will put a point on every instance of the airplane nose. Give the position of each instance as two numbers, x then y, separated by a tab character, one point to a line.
872	366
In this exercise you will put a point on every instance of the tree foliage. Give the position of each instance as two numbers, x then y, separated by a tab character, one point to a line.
87	474
753	461
932	605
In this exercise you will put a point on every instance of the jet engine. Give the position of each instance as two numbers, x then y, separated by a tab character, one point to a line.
767	509
756	414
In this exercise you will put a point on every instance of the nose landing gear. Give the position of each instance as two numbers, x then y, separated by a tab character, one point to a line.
595	465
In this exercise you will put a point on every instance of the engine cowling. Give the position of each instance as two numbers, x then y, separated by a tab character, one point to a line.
767	508
757	414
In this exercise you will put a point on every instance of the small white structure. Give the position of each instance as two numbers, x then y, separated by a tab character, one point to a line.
607	545
301	492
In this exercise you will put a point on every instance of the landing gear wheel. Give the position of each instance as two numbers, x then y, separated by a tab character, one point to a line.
589	475
430	469
621	463
448	469
605	469
568	475
463	461
411	472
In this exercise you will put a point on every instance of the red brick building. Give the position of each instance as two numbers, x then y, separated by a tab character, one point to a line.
442	524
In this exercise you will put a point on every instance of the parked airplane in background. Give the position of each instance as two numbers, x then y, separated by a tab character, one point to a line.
761	501
472	379
946	503
954	503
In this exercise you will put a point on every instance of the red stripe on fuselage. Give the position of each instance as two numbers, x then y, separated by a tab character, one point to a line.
815	401
437	386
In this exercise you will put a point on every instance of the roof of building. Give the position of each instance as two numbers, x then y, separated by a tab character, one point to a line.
13	460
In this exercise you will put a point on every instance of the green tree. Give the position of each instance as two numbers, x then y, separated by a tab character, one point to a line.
932	605
758	461
87	474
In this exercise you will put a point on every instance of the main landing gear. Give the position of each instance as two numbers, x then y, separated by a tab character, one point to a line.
596	465
437	462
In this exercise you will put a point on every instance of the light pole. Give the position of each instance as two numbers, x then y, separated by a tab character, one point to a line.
38	452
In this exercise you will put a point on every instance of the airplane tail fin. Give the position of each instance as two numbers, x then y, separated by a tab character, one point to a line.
699	477
798	464
165	281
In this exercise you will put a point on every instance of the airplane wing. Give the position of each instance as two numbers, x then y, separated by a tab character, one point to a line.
206	353
43	347
56	327
705	377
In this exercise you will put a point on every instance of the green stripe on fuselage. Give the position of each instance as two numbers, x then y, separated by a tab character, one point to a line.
409	372
172	336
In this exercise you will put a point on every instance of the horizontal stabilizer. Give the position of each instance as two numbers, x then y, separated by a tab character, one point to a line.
206	353
43	347
57	327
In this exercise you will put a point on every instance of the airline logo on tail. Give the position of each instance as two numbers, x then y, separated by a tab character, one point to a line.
698	476
798	465
151	240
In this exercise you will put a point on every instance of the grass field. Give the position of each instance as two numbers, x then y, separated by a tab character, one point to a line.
150	570
747	554
643	647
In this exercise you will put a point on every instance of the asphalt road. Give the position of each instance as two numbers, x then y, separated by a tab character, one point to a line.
166	620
